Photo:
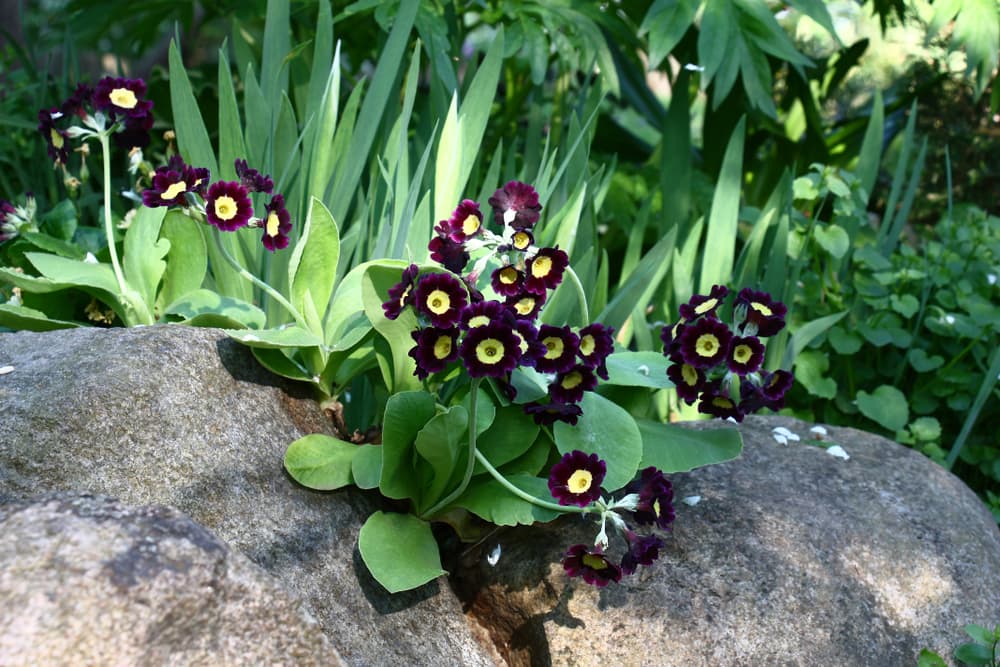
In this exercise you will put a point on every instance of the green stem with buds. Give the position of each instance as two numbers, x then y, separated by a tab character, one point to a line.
524	495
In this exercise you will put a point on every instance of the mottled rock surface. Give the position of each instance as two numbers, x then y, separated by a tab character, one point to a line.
791	557
86	580
186	417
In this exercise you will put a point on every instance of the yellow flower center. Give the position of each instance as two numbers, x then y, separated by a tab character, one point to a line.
587	345
572	380
656	507
593	562
521	240
762	309
707	345
57	139
478	321
470	225
525	306
689	374
124	98
553	347
174	190
225	208
705	306
742	354
438	302
406	293
521	342
722	402
442	347
541	266
272	224
489	351
508	275
579	481
676	327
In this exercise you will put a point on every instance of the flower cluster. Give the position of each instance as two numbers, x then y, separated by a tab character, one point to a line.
15	220
714	363
647	503
492	337
226	205
114	103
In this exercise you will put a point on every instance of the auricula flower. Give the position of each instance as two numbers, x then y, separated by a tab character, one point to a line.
172	182
482	313
465	222
120	97
765	314
228	205
700	304
521	240
593	566
276	224
561	347
670	336
569	386
507	280
449	254
544	271
642	550
440	297
655	506
401	294
596	344
525	305
492	350
252	179
434	350
576	478
546	414
769	393
688	380
718	404
745	354
704	343
531	347
55	137
516	204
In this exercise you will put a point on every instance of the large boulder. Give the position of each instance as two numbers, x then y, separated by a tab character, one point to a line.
86	580
185	417
790	557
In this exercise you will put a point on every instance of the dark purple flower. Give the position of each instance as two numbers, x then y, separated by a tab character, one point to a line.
546	414
775	385
277	224
76	103
745	355
448	253
521	240
561	347
252	179
770	393
134	133
576	478
766	315
596	344
545	270
656	499
401	294
482	313
55	137
441	298
568	387
525	305
465	222
699	304
434	350
507	281
718	404
516	204
593	566
172	182
704	343
642	550
490	351
670	335
122	98
531	347
228	205
688	380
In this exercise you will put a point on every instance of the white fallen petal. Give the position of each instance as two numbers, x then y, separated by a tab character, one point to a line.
782	440
494	556
6	369
818	430
782	431
838	451
691	500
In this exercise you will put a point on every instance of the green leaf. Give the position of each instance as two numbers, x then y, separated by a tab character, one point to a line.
366	466
405	414
906	305
440	443
511	435
638	369
926	429
375	284
202	302
843	341
187	259
20	318
720	239
886	406
929	658
192	137
143	257
833	239
676	449
320	461
231	144
806	334
399	550
870	156
979	633
276	361
666	22
974	654
607	430
287	337
489	500
642	284
313	266
74	272
810	369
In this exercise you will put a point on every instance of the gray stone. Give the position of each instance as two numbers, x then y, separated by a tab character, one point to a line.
791	557
86	580
185	417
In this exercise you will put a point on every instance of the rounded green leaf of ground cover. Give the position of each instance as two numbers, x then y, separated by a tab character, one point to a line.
399	550
320	461
607	430
886	406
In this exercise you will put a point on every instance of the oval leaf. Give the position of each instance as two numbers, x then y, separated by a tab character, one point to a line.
399	550
886	406
320	461
676	449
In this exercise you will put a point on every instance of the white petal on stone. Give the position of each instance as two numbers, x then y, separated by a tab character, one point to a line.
784	433
838	451
6	369
782	440
691	500
494	556
818	430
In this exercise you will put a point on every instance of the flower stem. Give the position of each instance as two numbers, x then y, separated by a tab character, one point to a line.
473	452
581	295
524	495
108	226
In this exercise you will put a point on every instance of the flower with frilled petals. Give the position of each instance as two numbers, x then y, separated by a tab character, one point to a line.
718	404
656	499
546	414
401	294
134	133
507	280
492	350
642	550
569	386
521	240
763	314
172	182
576	478
593	566
441	298
700	304
596	344
122	98
449	254
277	224
525	305
516	204
775	385
482	313
769	393
670	335
228	205
465	222
688	380
545	270
531	347
745	354
561	347
252	179
434	349
704	343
